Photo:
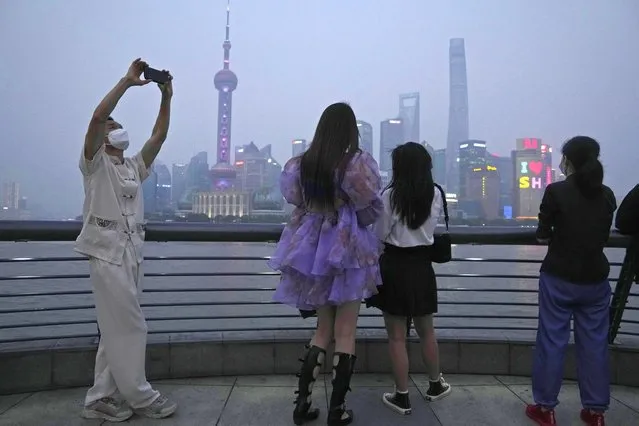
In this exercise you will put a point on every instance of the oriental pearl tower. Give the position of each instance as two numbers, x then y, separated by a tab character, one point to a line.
223	174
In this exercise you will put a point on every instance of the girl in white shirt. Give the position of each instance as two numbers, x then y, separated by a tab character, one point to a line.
412	206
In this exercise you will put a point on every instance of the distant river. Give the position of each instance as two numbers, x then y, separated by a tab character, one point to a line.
228	284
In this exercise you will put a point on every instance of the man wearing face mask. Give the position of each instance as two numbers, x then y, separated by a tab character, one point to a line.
112	236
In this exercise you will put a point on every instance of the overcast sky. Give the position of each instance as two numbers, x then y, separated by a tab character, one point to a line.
545	68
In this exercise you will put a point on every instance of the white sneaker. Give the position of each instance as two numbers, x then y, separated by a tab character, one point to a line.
107	408
159	409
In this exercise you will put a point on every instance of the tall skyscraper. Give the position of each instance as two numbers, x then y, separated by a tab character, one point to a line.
391	134
299	146
457	113
365	136
409	113
223	174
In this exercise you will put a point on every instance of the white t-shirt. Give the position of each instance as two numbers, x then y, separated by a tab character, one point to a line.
389	229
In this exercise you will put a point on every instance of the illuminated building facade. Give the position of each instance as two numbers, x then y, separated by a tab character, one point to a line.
530	180
546	159
218	203
506	169
472	154
483	187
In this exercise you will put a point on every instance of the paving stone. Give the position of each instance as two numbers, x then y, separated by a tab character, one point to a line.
421	380
479	405
264	406
8	401
285	380
49	408
366	402
627	396
198	406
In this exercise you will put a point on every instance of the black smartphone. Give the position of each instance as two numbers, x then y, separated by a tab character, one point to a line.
156	75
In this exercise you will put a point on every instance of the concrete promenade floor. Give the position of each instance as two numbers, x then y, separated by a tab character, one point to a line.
268	401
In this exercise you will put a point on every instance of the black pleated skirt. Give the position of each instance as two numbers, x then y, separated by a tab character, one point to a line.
409	286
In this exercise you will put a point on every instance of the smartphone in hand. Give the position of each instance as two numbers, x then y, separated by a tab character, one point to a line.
157	76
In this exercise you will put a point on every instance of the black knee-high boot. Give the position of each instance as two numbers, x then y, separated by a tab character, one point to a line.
343	365
311	367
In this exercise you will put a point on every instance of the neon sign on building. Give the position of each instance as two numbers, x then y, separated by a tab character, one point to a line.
529	144
530	174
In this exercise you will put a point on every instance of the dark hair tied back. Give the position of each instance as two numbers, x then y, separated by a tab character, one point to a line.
583	154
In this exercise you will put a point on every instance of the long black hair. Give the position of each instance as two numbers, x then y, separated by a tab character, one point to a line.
335	142
583	154
412	186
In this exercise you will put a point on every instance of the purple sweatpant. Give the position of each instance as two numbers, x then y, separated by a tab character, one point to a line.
587	305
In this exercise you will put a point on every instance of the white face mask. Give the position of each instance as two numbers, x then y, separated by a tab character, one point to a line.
118	139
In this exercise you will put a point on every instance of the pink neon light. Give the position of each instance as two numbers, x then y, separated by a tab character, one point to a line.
531	143
536	167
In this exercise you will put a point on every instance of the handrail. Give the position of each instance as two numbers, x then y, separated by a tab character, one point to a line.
189	232
247	232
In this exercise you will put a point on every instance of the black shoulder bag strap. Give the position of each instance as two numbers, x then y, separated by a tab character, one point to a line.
445	204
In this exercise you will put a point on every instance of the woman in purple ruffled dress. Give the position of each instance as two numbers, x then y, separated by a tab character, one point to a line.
327	254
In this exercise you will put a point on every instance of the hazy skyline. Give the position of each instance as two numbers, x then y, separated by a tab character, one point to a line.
541	69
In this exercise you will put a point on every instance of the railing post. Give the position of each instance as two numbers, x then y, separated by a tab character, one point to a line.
627	275
409	322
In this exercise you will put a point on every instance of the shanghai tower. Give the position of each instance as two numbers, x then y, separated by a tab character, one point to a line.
223	173
457	113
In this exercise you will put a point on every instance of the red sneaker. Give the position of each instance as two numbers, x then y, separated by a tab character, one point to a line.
592	418
542	417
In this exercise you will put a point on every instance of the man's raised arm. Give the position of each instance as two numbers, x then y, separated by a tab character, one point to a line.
96	131
152	147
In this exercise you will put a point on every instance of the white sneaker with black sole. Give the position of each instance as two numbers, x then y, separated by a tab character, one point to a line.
438	389
398	402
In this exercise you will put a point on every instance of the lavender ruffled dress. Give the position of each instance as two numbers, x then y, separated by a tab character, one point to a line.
330	259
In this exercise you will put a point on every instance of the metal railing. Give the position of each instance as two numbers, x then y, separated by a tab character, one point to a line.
18	322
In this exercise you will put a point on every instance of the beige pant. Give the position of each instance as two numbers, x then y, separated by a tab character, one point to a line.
120	362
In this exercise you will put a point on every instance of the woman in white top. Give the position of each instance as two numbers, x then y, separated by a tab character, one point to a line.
412	206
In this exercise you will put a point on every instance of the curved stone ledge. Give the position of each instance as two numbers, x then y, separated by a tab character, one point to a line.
69	362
